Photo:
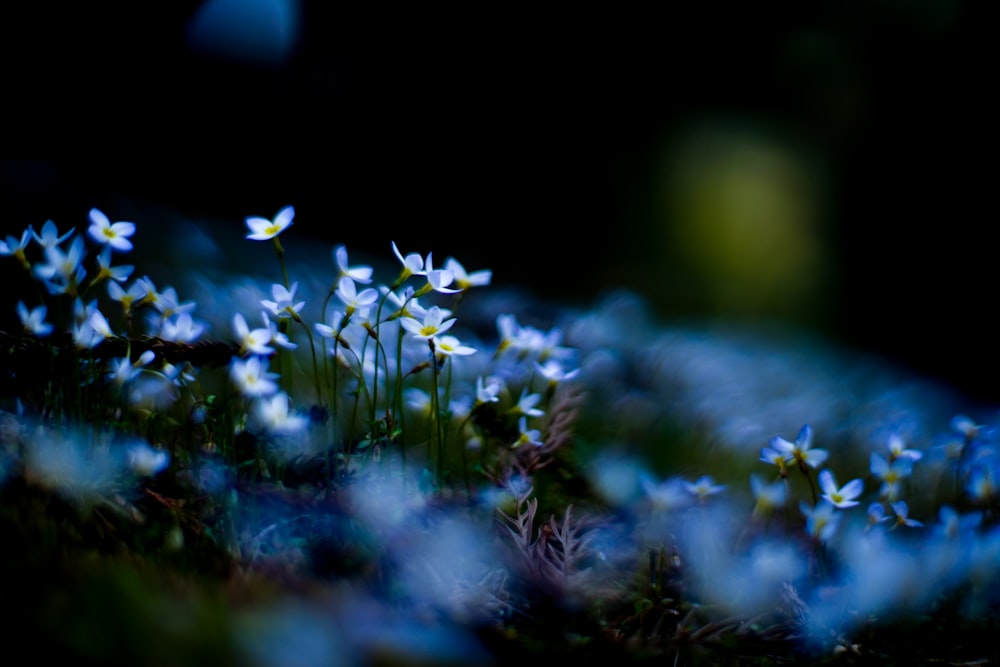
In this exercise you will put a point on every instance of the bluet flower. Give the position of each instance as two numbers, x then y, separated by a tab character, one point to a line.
115	234
841	497
34	320
262	229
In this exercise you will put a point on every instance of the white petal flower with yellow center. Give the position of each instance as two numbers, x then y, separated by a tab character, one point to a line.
262	229
113	234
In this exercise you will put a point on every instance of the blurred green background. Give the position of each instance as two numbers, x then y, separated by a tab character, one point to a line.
816	164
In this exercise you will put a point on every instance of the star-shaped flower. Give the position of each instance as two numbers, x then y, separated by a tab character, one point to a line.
841	497
262	229
113	234
800	451
283	306
434	324
34	320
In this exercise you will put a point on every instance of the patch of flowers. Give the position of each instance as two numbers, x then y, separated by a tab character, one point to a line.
366	435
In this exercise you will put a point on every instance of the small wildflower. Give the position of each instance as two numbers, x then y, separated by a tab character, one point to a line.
821	520
413	265
34	320
488	389
450	346
898	450
774	457
359	274
703	487
800	451
113	234
768	496
953	525
437	279
841	497
106	271
527	436
876	514
981	484
49	237
466	280
278	337
353	301
669	494
283	306
903	515
274	414
62	271
433	324
181	328
251	341
252	377
891	474
128	298
554	371
15	247
526	405
262	229
147	461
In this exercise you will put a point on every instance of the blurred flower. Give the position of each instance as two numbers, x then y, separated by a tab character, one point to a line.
768	496
898	450
145	460
253	341
903	515
274	414
704	487
891	474
49	238
181	328
821	520
527	436
450	345
34	320
252	377
466	280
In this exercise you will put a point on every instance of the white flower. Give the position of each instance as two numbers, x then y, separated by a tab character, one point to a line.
262	229
431	326
181	328
283	305
252	377
251	341
147	461
488	389
703	487
466	280
527	436
34	321
450	345
115	235
275	416
359	274
50	238
800	451
347	292
841	497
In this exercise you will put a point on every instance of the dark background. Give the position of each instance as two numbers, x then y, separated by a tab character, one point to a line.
533	141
